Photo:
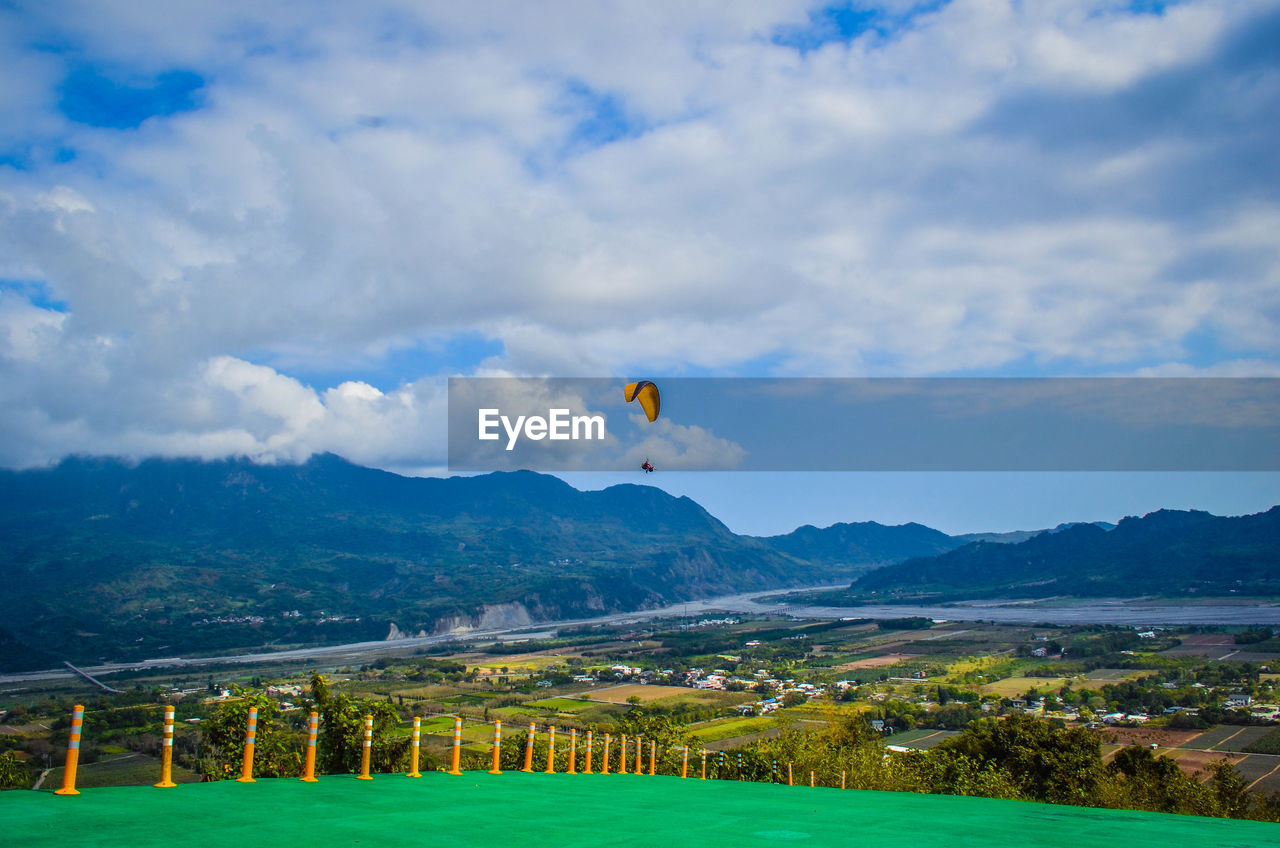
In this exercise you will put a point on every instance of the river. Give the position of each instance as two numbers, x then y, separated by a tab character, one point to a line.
1129	612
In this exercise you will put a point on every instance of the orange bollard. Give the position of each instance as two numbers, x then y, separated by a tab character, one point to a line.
528	750
497	747
842	774
684	766
639	769
704	763
586	769
653	757
789	783
414	746
73	753
573	750
608	740
551	750
457	746
166	752
313	729
622	760
811	783
366	750
250	734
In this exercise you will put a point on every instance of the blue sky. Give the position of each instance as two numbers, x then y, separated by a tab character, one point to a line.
238	229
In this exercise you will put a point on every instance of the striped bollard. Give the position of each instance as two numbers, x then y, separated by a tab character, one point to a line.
653	756
250	735
414	747
622	760
704	763
528	750
739	767
457	746
586	767
313	730
73	753
608	740
789	783
842	776
497	747
774	777
720	771
639	769
684	766
366	749
551	750
811	781
573	750
166	752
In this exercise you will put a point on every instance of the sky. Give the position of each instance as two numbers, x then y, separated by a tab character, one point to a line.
271	230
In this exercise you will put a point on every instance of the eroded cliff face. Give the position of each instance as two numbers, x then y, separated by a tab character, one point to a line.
489	617
396	634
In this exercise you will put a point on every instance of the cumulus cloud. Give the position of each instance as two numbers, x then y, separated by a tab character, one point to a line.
977	187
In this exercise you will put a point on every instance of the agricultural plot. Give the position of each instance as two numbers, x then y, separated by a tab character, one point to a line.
646	693
123	770
1012	687
921	740
1260	769
1226	737
562	705
730	728
1159	736
1111	675
877	661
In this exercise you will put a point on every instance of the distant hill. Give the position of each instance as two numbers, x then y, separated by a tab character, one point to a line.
1015	536
104	560
864	543
1166	552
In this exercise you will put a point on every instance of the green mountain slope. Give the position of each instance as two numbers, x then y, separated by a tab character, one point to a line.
1166	552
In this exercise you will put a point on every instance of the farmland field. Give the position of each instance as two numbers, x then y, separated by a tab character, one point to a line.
1013	686
124	770
562	705
876	662
729	728
920	739
1226	737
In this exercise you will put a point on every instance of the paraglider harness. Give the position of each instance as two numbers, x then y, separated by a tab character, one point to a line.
648	469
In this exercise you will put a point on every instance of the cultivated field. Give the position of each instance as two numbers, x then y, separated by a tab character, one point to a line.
876	662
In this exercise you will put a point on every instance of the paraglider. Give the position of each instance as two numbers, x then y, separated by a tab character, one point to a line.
647	393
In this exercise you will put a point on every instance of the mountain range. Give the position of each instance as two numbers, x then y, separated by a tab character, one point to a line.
106	560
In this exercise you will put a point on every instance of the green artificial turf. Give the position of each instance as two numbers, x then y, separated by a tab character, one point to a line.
514	809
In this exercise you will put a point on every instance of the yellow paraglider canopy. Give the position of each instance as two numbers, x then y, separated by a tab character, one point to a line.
647	393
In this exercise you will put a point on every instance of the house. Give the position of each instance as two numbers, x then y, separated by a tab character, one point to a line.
1238	699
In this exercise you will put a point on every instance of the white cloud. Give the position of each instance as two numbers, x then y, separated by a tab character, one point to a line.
991	184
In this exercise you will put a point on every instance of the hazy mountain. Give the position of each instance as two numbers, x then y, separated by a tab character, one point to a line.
864	544
1166	552
1015	536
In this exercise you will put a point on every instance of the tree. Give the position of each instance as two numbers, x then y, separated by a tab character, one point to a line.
225	735
1231	790
1062	766
13	774
342	735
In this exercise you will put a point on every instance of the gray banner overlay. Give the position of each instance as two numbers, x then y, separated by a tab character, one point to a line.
765	424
